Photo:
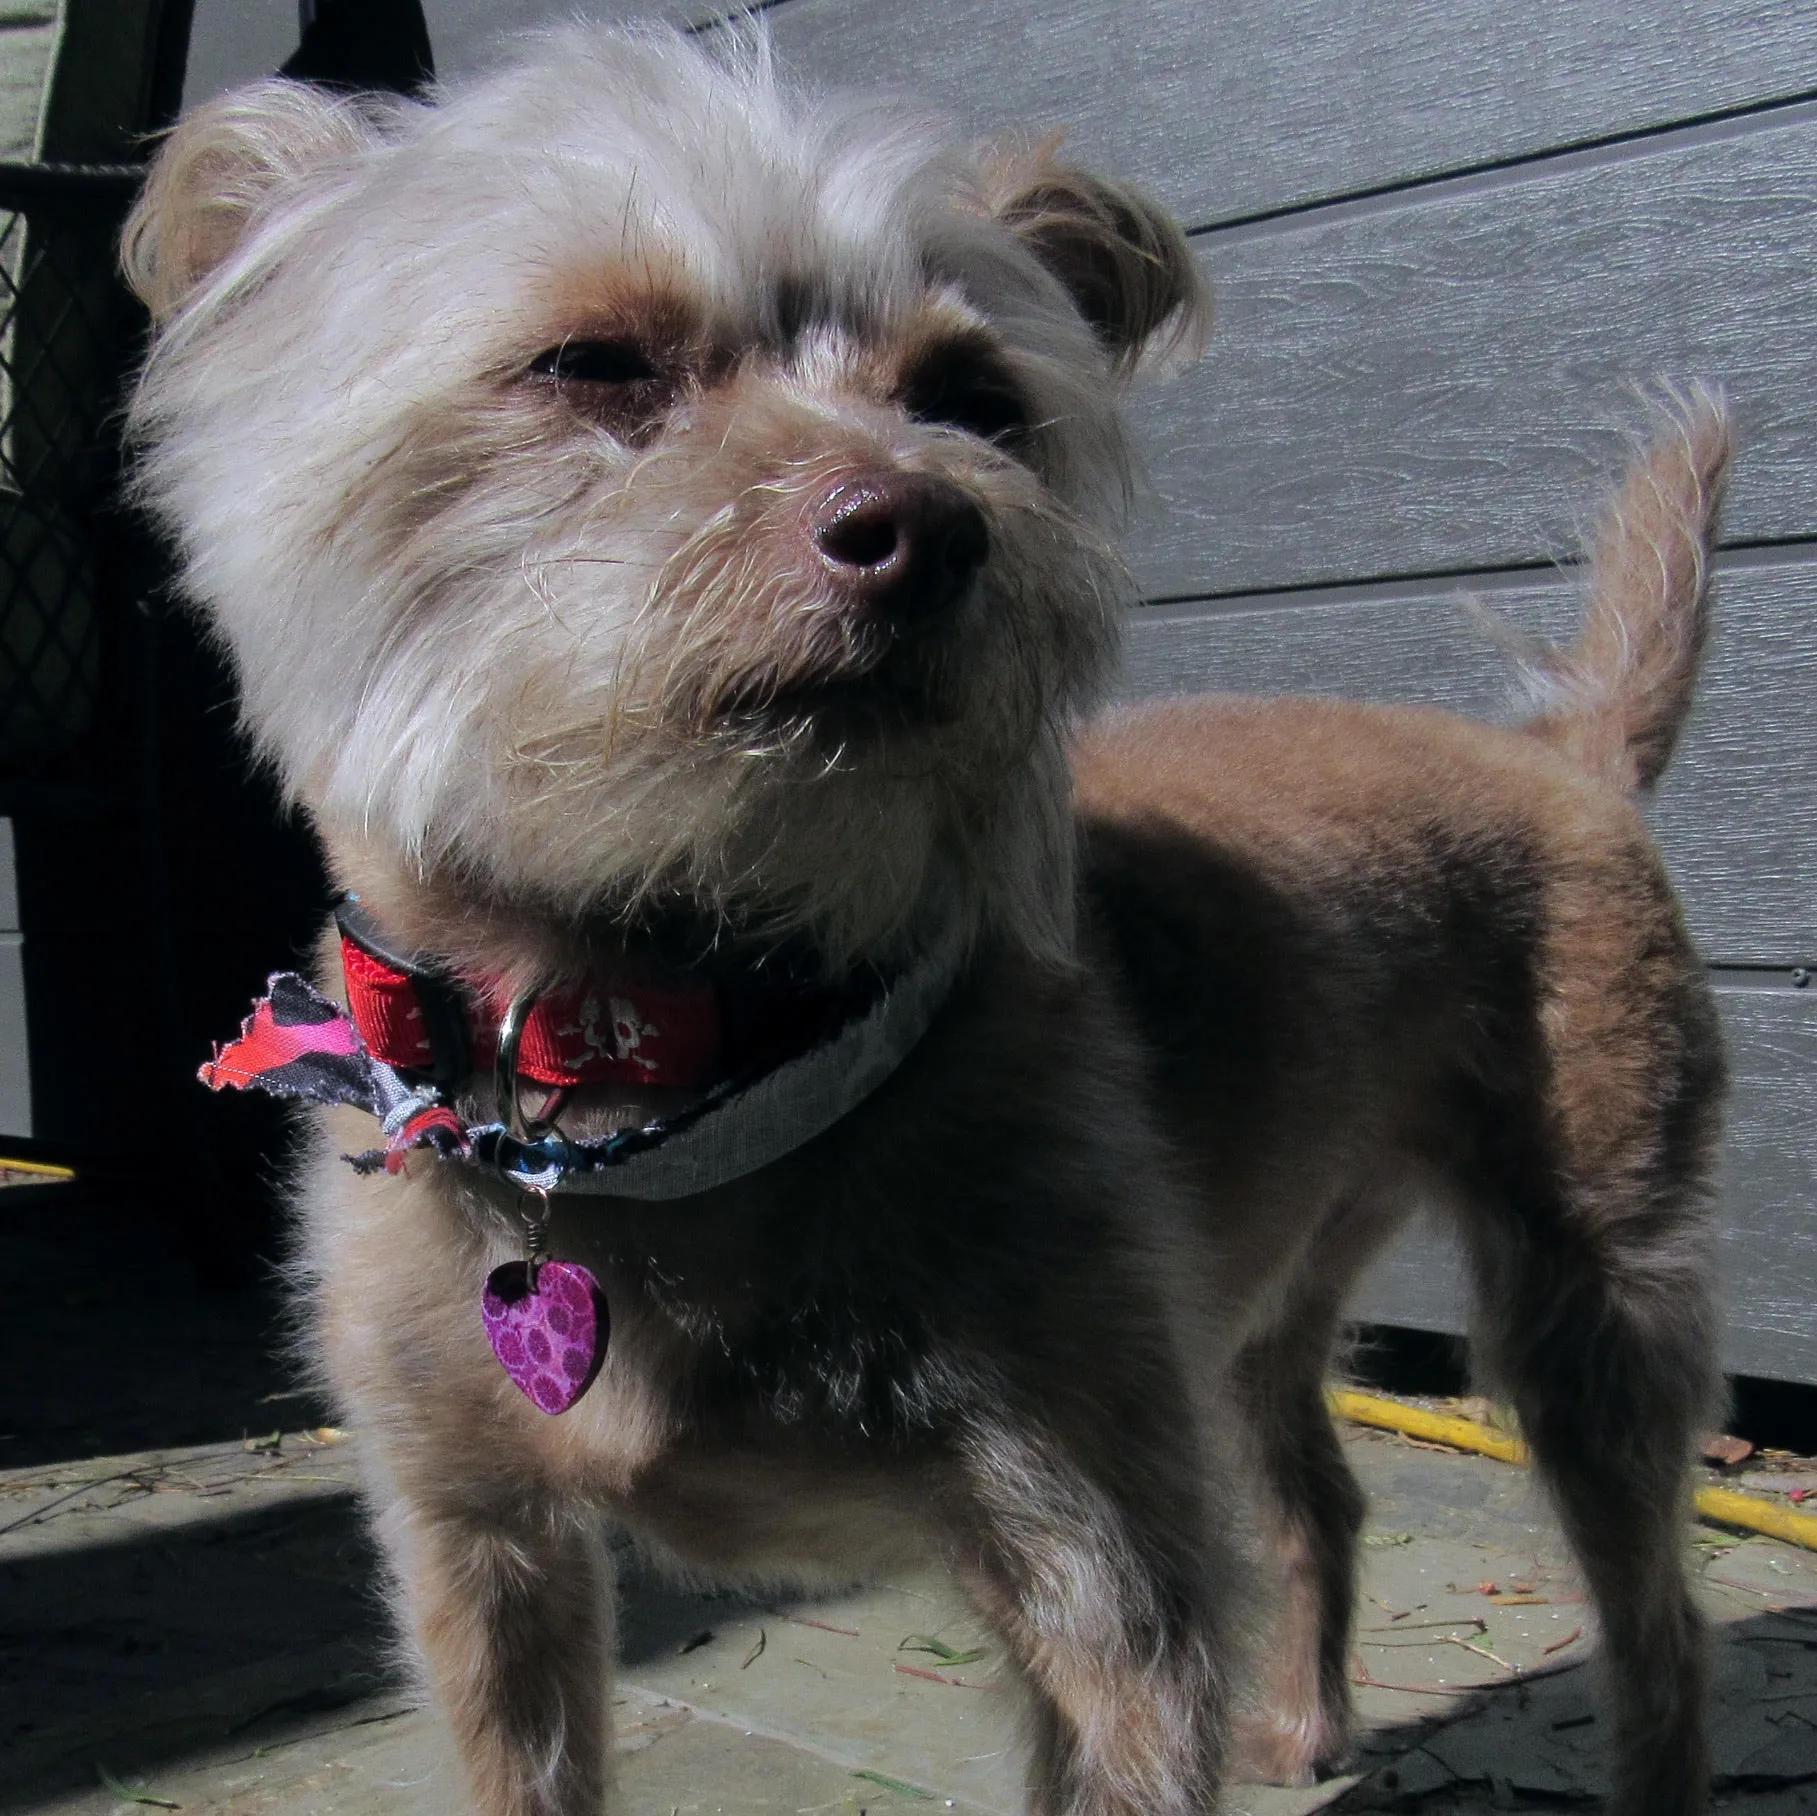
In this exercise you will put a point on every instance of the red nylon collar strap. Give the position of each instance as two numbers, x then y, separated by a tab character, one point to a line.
689	1034
593	1034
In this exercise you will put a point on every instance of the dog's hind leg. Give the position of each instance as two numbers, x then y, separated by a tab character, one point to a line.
1589	1240
510	1607
1607	1364
1315	1510
1106	1575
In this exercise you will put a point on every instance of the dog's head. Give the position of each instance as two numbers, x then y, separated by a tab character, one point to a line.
626	478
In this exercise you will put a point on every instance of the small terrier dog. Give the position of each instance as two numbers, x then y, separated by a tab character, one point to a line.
662	526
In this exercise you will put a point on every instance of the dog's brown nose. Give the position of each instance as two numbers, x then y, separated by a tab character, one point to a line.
907	543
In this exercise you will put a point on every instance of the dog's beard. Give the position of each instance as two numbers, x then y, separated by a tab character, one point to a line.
731	736
854	789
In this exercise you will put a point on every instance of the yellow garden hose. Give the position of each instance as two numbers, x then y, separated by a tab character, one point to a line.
46	1170
1729	1507
1435	1427
1723	1506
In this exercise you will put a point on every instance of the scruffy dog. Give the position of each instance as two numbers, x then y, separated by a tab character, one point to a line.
661	528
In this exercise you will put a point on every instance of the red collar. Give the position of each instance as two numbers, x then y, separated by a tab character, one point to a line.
689	1032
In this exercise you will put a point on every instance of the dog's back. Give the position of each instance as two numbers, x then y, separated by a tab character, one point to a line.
1388	956
1283	885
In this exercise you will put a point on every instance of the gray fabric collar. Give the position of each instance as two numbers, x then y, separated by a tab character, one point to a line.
738	1131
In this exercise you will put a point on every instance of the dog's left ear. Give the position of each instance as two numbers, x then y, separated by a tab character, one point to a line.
219	167
1121	257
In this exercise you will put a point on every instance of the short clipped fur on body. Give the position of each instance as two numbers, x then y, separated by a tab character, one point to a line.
650	512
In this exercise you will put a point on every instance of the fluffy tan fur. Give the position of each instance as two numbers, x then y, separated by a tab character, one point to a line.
508	442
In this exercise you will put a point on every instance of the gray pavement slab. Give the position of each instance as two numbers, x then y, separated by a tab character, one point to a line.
201	1625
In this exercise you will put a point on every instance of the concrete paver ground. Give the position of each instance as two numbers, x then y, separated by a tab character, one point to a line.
200	1625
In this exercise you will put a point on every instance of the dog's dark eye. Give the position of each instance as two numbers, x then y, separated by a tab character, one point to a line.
959	388
595	363
613	383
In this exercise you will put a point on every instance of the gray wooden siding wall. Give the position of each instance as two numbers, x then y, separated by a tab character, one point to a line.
1447	241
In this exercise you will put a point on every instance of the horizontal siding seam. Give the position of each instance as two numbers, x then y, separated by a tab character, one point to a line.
714	21
1619	147
1440	583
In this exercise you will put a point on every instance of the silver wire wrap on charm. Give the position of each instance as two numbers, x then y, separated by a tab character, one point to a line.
536	1239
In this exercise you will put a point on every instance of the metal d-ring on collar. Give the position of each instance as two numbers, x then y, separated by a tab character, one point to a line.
535	1155
507	1079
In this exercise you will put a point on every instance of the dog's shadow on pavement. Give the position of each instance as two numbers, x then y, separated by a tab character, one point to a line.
123	1653
659	1619
1542	1743
139	1653
128	1649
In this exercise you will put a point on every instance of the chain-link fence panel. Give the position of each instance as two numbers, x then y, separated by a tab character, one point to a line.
63	329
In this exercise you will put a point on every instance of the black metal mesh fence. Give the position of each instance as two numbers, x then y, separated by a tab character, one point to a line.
64	328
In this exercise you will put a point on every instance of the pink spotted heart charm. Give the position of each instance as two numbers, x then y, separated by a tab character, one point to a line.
552	1340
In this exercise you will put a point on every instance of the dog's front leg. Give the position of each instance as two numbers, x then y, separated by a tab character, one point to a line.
511	1607
1108	1579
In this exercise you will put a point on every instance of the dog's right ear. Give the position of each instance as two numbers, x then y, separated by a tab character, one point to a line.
1121	257
214	172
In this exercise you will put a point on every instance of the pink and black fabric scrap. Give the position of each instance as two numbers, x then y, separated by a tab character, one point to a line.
296	1043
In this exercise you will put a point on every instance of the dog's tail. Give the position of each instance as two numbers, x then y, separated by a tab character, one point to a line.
1615	701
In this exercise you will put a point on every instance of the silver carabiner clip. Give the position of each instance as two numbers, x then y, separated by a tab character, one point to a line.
519	1124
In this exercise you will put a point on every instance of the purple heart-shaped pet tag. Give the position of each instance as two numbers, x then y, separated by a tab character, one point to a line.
550	1339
